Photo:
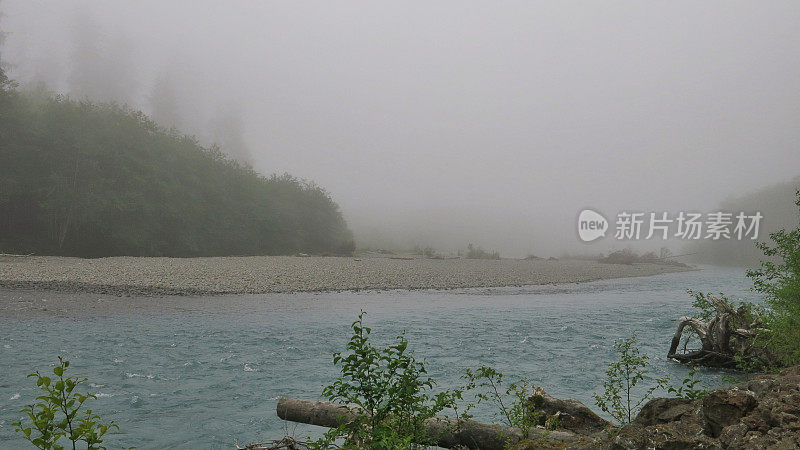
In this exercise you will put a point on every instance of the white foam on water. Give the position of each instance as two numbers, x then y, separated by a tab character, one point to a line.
15	396
138	375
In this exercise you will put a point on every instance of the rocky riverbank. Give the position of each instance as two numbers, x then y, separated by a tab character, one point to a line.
761	413
758	414
272	274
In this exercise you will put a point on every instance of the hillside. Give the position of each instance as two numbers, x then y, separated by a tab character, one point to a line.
81	179
776	204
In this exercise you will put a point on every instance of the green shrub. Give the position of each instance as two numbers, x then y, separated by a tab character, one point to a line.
392	389
778	279
622	398
60	413
520	412
395	396
688	387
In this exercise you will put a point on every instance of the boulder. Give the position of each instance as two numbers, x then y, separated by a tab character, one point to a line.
571	414
726	407
664	410
761	413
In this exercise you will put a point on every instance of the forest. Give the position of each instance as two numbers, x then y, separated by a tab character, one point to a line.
92	180
773	202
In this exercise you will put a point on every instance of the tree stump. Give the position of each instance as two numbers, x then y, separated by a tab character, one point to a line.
726	340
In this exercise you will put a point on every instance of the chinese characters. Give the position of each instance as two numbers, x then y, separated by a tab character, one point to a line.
687	225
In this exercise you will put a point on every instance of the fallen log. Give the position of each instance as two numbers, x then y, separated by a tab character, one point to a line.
448	432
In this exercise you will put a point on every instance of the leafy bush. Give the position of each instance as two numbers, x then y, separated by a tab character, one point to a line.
778	279
395	396
392	389
58	414
688	387
621	398
520	412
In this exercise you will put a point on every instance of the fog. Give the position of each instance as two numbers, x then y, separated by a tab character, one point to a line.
447	123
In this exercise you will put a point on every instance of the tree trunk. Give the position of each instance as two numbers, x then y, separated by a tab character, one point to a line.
448	432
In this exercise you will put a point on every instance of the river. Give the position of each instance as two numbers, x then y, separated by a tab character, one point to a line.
207	372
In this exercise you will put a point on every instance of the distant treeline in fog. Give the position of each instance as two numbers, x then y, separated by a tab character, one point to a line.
82	179
776	204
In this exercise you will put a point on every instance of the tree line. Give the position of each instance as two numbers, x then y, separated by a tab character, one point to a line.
91	180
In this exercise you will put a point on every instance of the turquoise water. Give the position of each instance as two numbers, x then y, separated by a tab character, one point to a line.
208	374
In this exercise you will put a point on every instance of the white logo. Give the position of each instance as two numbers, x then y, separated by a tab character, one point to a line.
591	225
662	226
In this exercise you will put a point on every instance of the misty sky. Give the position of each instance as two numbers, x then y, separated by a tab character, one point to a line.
443	123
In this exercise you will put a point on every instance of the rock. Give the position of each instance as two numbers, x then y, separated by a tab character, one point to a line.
663	410
664	423
735	435
762	413
760	385
674	435
725	407
571	414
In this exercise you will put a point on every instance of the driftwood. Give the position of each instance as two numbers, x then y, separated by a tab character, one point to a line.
449	433
725	340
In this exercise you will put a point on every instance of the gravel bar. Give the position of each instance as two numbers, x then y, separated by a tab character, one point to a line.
137	276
